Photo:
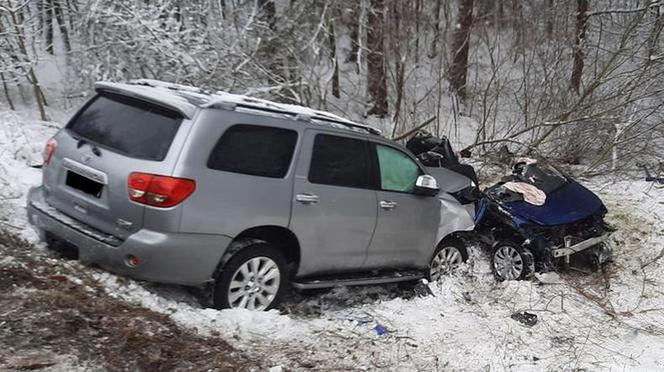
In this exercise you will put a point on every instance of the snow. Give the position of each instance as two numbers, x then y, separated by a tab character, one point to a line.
610	322
22	139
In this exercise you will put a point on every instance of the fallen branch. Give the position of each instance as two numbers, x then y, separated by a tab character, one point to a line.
660	255
409	132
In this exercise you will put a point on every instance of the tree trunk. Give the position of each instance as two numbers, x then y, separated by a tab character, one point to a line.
517	23
376	79
6	90
436	29
31	76
224	9
581	25
272	54
59	17
486	10
460	44
354	28
48	24
500	12
655	33
550	15
417	11
268	12
333	55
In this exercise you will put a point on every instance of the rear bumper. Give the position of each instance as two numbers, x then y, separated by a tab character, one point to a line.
186	259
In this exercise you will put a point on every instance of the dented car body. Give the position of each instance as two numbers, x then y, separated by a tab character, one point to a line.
536	219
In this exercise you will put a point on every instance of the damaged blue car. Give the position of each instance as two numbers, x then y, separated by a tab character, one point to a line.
536	219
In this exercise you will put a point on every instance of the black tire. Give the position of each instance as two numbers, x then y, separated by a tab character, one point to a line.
228	272
521	257
446	244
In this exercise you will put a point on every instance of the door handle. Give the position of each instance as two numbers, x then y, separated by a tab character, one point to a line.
388	204
307	198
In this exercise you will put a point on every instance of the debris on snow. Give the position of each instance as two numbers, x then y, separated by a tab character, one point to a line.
525	318
549	278
380	330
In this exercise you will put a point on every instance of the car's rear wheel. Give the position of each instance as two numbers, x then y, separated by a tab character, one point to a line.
255	278
511	262
449	255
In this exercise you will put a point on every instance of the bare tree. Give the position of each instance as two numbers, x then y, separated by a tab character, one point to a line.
460	44
580	36
550	15
47	8
6	91
60	19
21	57
353	24
332	39
436	29
376	80
656	32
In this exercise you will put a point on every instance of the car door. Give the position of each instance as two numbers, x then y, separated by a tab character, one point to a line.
334	204
406	228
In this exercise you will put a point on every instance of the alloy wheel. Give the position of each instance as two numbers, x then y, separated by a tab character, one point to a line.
445	261
254	284
508	263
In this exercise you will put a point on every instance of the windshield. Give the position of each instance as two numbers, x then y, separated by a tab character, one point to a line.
542	175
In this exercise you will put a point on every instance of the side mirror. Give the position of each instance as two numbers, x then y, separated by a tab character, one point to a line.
426	185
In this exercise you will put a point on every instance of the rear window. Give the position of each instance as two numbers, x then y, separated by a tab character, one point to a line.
128	126
254	150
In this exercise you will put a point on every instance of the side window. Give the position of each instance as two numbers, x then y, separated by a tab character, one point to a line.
254	150
339	161
398	172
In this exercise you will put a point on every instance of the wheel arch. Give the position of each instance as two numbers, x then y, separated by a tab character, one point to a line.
456	237
279	236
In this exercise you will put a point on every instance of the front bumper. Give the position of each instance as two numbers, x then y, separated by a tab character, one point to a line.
186	259
602	244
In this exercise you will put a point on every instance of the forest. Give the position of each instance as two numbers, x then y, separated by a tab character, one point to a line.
579	81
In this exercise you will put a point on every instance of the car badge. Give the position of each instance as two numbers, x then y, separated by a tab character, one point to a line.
86	159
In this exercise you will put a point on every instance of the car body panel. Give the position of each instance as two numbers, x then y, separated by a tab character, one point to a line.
405	236
569	203
225	202
334	232
165	257
111	212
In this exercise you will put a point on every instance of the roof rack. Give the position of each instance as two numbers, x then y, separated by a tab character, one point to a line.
296	115
225	100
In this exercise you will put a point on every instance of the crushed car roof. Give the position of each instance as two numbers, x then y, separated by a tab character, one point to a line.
187	99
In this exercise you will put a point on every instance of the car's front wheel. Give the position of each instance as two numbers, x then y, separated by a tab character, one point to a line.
255	278
450	254
511	262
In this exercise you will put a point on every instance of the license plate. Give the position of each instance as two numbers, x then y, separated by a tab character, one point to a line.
84	184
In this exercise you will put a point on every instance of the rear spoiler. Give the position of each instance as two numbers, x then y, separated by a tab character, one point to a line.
161	97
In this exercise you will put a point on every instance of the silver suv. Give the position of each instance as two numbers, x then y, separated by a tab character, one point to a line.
171	184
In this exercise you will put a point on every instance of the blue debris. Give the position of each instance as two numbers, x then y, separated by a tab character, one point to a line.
379	329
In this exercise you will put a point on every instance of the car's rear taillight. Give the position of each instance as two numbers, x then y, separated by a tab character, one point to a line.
159	191
49	150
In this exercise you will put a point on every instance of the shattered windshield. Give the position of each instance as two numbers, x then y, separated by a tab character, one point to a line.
544	176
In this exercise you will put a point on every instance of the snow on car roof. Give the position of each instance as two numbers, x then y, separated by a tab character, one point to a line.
186	99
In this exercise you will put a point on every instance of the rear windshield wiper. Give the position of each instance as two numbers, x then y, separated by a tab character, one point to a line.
82	141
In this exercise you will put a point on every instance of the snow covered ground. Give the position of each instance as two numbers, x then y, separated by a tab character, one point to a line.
605	321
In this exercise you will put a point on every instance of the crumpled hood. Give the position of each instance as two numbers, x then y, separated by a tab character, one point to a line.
571	202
